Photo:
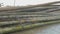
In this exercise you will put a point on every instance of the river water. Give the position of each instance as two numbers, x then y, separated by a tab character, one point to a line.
46	29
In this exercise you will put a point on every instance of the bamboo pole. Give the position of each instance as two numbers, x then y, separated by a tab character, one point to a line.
22	27
31	20
30	8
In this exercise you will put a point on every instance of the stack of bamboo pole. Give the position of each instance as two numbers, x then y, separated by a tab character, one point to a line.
17	20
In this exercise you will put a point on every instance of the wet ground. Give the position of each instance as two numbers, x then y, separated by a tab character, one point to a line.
46	29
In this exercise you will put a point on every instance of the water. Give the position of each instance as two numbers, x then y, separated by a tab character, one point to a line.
47	29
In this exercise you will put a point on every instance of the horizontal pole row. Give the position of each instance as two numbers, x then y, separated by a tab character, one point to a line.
31	20
21	27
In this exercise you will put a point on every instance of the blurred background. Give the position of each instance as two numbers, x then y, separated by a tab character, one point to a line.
24	2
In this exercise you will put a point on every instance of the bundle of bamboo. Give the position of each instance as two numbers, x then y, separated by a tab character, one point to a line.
17	20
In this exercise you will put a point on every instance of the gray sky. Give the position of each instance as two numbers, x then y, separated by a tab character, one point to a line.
25	2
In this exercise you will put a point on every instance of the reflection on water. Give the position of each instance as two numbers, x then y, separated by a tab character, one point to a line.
48	29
